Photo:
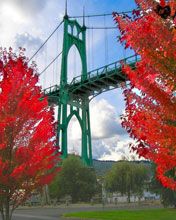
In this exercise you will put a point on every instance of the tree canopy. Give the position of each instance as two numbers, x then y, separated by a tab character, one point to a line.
150	115
127	178
75	180
28	155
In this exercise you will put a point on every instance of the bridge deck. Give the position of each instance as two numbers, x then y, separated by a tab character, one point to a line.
97	81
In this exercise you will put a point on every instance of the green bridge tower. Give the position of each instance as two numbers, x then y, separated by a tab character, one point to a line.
72	98
74	34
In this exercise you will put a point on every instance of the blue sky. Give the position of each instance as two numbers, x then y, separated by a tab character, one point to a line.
28	23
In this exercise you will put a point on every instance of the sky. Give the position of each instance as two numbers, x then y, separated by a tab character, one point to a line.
27	24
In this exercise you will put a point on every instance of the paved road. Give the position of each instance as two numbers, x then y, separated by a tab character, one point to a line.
45	213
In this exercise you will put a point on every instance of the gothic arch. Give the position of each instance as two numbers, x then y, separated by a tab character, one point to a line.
74	113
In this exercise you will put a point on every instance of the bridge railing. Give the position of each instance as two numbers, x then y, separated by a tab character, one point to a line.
50	89
107	68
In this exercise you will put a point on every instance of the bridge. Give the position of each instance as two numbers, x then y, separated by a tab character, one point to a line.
97	81
73	98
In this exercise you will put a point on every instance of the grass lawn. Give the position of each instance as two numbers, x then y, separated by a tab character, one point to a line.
152	214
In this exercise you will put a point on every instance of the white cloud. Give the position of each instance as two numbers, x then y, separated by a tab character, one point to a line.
11	21
100	149
19	16
12	13
105	122
114	148
106	132
26	7
74	130
26	40
118	149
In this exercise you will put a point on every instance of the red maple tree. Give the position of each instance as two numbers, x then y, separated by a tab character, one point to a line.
28	155
150	115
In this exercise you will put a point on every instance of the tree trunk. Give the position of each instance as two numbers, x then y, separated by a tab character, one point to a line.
45	196
129	196
7	210
7	214
2	215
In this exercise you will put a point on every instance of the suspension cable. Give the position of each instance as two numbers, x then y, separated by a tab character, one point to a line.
106	41
46	41
99	15
89	47
50	64
92	51
56	63
45	61
53	74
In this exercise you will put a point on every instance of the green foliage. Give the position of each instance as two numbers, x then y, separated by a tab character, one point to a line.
127	178
102	167
168	196
75	180
156	214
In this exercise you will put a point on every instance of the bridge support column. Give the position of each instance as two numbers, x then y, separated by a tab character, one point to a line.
63	129
83	116
74	34
86	134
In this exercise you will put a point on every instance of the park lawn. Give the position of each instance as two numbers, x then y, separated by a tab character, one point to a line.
152	214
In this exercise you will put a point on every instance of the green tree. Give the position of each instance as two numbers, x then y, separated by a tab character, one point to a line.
168	196
127	178
75	179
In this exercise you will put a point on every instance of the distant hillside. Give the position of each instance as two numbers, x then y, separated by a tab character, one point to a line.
102	167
